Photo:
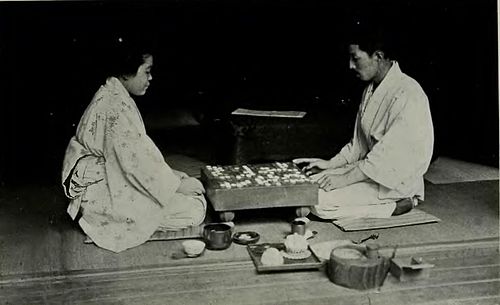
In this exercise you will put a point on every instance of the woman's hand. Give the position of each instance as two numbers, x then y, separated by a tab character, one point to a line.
181	175
191	187
311	166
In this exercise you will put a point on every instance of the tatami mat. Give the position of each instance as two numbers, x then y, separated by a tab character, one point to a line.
414	217
447	170
189	232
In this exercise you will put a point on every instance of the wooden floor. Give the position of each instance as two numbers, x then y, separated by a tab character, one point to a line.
465	273
43	259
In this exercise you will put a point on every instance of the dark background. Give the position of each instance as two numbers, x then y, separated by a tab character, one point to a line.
214	56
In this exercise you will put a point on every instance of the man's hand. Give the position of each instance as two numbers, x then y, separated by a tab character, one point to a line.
191	186
331	181
340	177
311	166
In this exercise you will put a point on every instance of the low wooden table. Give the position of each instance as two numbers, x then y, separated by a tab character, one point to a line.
243	187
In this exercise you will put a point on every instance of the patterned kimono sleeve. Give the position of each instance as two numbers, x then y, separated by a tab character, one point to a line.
404	151
131	153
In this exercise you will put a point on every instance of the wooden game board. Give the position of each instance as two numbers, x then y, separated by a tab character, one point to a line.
241	187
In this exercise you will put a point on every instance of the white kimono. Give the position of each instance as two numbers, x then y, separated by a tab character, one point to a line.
392	145
117	178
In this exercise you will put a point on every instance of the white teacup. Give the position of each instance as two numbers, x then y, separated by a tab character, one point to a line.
193	247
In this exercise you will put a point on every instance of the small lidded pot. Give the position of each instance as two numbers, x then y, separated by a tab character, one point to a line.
217	236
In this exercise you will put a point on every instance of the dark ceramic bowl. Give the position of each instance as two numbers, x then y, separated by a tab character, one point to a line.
217	236
245	238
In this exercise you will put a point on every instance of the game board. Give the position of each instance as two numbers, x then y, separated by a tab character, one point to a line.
253	186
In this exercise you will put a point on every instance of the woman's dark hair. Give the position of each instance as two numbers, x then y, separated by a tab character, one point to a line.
125	56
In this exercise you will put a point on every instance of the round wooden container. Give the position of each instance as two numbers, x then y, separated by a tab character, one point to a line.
352	268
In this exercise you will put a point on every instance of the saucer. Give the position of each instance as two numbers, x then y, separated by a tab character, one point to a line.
245	238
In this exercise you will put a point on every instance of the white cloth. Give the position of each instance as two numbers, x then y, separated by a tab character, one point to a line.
392	145
117	177
358	200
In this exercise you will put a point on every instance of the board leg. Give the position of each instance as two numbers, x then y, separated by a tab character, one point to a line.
302	211
226	216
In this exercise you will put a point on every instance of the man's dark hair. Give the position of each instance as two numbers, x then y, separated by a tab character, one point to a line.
374	38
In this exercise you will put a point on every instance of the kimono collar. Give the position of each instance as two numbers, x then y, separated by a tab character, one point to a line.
116	84
393	74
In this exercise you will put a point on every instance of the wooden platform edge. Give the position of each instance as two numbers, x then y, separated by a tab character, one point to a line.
484	246
480	247
123	272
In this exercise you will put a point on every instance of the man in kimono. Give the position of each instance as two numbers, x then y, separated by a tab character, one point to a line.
120	186
379	173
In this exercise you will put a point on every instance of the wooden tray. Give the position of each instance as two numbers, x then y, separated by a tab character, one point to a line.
255	251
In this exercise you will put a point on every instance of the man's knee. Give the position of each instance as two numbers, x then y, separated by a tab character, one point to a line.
321	213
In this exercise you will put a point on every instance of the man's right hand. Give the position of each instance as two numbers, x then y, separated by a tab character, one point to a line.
312	166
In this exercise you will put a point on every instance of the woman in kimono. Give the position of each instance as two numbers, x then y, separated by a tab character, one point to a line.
379	173
120	187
